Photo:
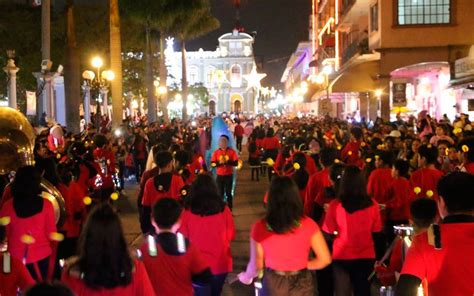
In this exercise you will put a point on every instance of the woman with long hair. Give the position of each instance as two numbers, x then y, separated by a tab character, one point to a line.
300	175
282	241
208	224
104	265
31	222
354	221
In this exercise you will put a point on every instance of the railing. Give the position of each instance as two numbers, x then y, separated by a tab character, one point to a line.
360	46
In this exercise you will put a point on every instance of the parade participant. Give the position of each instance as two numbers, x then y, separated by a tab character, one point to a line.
299	146
183	168
104	265
397	198
381	178
209	226
355	223
32	222
467	150
56	139
299	175
138	149
225	159
423	181
271	145
172	262
239	135
443	254
350	153
281	242
165	184
105	159
14	277
254	160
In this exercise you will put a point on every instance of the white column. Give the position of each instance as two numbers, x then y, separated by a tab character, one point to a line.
59	100
87	102
11	71
104	93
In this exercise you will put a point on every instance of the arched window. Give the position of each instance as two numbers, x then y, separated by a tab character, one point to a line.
209	76
236	76
193	75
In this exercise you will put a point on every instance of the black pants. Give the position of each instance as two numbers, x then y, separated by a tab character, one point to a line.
214	288
238	144
43	266
225	184
139	168
288	285
351	275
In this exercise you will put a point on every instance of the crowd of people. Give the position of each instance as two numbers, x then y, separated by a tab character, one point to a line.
353	208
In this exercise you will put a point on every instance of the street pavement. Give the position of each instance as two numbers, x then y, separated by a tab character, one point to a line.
248	207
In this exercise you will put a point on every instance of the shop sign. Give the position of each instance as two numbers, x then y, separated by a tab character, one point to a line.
399	94
464	67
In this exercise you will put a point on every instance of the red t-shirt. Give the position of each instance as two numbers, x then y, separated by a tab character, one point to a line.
140	285
73	199
271	143
354	231
259	143
212	236
147	175
151	195
469	168
427	179
239	131
39	226
105	158
19	277
398	200
350	153
378	184
449	271
289	251
221	157
315	190
172	274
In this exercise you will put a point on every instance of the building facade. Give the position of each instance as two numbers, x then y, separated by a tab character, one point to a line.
222	71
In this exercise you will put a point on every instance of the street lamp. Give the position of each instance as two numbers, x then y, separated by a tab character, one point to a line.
98	82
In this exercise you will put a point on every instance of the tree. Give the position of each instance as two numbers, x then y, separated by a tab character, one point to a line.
190	24
116	63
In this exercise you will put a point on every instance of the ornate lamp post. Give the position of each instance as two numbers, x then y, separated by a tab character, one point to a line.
99	83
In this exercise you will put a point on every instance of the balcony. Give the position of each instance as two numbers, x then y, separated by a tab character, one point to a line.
360	47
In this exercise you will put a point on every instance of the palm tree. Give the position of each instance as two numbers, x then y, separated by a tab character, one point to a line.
189	25
72	72
116	62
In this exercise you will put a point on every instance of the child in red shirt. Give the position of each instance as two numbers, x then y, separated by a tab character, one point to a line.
165	184
173	264
14	276
381	178
424	180
350	153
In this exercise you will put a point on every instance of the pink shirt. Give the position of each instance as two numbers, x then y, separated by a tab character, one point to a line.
39	226
212	236
354	231
288	251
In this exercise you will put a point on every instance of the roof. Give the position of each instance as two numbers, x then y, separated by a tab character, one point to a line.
235	36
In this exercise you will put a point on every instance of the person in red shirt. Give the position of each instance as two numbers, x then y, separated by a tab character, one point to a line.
105	159
32	222
466	146
443	255
165	184
239	135
299	146
282	241
14	276
424	180
104	265
271	145
350	153
209	226
173	263
225	159
320	181
299	175
254	160
355	223
381	178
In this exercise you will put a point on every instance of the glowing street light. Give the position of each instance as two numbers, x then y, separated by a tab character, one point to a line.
97	62
379	92
327	69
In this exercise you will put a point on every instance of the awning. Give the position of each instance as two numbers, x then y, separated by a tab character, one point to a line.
357	78
465	82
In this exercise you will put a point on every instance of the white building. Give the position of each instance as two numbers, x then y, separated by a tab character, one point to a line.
222	71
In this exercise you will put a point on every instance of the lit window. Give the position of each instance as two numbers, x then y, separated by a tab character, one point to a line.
424	12
236	76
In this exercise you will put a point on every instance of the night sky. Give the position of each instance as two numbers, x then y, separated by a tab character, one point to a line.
280	25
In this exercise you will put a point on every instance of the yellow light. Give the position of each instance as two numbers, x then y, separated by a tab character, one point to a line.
108	75
134	104
178	97
87	200
379	92
97	62
327	69
304	87
114	196
319	79
162	90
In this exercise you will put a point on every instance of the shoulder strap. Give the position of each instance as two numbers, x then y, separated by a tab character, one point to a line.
434	236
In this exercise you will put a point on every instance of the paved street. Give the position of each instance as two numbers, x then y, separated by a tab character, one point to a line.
247	209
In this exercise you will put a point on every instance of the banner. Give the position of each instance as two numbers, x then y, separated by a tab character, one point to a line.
30	103
399	94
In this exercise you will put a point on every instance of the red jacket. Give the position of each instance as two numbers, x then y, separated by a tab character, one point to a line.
151	194
225	161
398	200
315	190
105	158
18	278
427	180
239	131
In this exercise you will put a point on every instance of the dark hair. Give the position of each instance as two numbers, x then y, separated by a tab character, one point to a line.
386	157
182	157
3	233
49	170
429	152
352	190
285	207
104	260
452	188
65	173
166	212
357	133
25	189
156	150
270	132
374	144
300	176
252	147
100	141
423	212
299	143
335	174
225	136
47	289
327	156
205	199
163	158
469	143
402	166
